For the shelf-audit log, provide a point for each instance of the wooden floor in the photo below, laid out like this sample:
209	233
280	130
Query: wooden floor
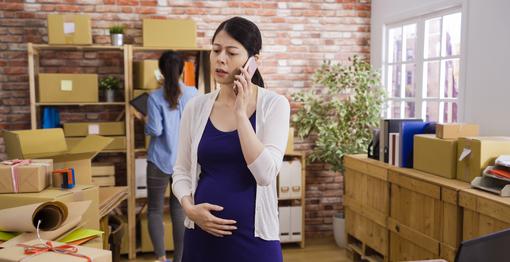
316	250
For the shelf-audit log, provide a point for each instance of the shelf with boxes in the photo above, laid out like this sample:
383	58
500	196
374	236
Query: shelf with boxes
61	87
71	92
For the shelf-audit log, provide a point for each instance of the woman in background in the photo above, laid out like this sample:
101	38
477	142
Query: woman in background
164	110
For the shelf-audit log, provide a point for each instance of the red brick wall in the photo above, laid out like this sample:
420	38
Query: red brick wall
297	37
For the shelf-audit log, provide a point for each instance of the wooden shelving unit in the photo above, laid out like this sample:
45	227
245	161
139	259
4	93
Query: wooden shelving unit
35	108
302	159
205	85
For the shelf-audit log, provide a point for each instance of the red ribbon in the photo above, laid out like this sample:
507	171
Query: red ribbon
38	249
14	163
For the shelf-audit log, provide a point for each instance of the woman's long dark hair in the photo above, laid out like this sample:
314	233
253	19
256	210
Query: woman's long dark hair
171	65
247	33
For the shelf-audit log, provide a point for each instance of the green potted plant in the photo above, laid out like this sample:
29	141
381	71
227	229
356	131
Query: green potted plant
339	116
117	35
109	85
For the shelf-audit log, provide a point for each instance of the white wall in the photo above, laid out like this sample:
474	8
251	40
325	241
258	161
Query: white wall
487	54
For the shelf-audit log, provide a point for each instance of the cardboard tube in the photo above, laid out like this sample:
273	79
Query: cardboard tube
25	218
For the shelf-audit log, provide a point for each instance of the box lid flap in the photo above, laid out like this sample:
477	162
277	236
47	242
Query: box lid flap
35	143
87	148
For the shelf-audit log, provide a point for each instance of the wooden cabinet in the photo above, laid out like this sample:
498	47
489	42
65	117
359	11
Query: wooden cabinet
403	214
484	213
366	199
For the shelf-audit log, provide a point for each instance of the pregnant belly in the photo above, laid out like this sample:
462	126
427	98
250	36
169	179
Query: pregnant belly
236	198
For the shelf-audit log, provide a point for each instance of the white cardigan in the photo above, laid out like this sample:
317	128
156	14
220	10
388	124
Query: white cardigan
272	129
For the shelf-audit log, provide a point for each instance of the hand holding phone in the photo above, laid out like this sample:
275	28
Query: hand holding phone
250	66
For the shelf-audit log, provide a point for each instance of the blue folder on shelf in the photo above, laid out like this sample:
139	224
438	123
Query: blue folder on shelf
407	131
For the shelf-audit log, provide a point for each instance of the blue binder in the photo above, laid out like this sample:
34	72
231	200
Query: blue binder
407	131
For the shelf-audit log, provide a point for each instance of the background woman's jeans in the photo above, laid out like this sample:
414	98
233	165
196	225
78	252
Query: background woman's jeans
157	182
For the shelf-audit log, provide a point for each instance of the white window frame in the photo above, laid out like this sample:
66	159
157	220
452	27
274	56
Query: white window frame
418	17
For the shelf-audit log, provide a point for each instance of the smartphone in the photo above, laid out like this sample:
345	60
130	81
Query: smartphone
251	67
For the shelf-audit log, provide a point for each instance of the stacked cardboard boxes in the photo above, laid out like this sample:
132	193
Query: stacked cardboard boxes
33	144
103	174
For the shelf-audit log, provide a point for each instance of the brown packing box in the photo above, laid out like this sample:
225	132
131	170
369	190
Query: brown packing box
483	152
118	143
169	33
103	169
31	177
454	131
50	143
435	156
103	180
145	237
144	75
68	88
17	253
94	128
69	29
78	193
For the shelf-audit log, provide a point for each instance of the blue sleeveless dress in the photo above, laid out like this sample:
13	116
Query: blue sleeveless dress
226	181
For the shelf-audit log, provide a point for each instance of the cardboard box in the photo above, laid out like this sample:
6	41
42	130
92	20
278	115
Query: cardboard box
103	169
78	193
31	177
68	88
476	153
435	156
145	237
17	253
69	29
103	180
96	128
29	144
290	141
118	142
454	131
169	33
145	75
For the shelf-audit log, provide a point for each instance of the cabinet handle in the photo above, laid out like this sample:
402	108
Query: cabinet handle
397	228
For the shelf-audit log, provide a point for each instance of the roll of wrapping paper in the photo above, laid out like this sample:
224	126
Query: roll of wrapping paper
25	218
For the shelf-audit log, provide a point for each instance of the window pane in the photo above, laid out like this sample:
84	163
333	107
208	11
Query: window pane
450	112
410	41
395	45
395	109
431	79
432	37
410	87
394	79
410	110
431	110
451	78
451	35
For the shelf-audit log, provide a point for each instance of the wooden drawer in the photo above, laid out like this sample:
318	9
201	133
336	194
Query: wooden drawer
484	213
